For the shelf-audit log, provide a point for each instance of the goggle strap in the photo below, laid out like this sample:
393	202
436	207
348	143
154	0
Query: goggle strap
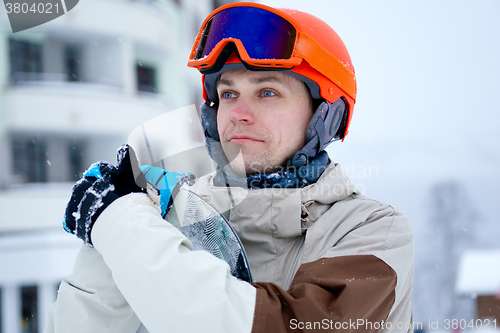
335	69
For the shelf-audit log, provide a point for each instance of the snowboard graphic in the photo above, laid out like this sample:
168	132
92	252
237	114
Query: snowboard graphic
208	230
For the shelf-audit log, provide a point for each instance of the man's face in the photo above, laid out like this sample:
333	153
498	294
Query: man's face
265	116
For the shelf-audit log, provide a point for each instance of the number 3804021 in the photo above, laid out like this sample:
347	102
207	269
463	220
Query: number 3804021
24	8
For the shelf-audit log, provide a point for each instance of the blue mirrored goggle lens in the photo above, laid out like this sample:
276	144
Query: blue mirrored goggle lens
264	35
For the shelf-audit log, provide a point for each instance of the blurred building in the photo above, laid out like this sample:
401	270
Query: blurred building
479	278
71	91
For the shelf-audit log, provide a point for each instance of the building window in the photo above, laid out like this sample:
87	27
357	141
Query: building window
29	319
72	63
146	78
75	162
25	60
30	159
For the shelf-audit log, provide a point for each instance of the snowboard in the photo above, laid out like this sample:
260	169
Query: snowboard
208	230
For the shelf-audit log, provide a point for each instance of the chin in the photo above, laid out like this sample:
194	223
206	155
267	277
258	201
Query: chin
246	164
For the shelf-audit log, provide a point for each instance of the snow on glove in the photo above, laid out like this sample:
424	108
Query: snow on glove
163	185
101	184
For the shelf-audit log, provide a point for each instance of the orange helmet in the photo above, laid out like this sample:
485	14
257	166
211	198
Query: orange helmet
260	37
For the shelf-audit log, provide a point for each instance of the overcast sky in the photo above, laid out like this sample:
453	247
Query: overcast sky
428	105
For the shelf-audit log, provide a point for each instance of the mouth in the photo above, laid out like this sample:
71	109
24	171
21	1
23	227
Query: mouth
242	139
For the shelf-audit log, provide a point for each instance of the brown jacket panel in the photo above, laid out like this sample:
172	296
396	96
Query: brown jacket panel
350	292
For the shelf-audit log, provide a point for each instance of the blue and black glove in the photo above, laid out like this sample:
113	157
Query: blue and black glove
101	184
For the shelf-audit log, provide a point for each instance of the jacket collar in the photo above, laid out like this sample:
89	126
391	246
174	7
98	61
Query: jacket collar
282	209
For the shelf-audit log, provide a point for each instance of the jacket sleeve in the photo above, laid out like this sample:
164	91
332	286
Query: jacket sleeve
169	286
89	301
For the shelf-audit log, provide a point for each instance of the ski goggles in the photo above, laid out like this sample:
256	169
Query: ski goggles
263	37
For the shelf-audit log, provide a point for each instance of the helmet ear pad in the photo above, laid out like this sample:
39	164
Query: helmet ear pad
212	139
327	124
208	115
331	117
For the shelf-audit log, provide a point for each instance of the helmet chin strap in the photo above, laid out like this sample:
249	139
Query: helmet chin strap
322	130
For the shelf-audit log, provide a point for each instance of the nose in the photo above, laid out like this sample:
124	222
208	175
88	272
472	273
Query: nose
241	113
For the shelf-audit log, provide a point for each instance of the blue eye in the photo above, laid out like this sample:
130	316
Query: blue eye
227	94
268	93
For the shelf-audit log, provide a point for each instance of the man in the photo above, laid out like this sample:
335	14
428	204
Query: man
279	86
